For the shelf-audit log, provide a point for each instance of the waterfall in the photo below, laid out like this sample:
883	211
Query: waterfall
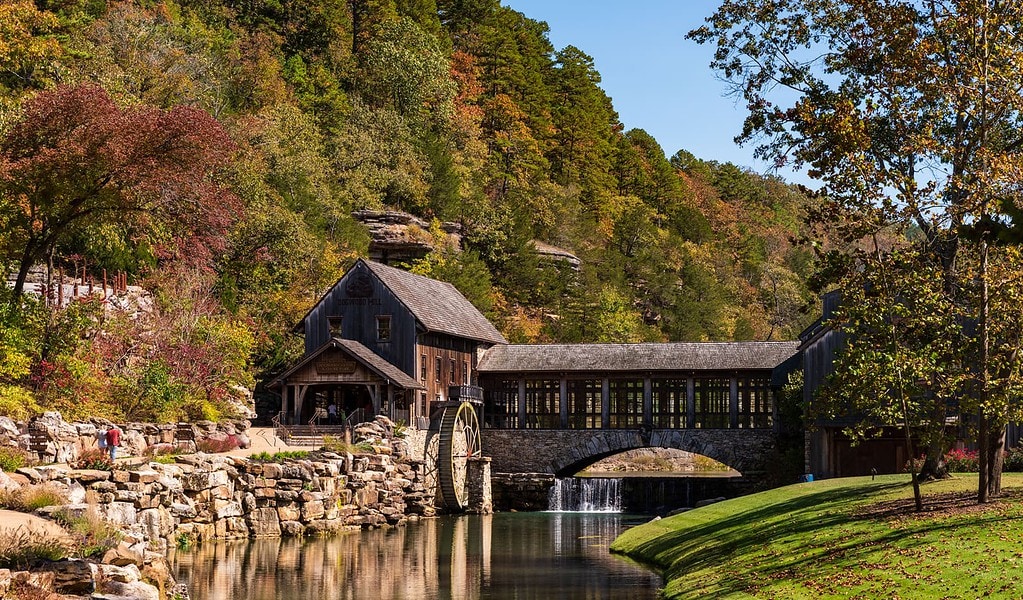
585	494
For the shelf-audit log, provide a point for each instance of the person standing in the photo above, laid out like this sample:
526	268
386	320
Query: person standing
332	413
113	440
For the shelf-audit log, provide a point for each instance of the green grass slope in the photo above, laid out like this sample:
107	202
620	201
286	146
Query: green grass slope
841	538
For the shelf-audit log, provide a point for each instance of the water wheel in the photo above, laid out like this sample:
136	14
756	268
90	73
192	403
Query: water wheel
459	441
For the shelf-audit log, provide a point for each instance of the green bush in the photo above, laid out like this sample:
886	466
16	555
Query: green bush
279	456
1014	460
95	535
29	498
20	548
12	459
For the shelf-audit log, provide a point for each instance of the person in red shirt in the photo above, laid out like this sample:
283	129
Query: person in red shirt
113	440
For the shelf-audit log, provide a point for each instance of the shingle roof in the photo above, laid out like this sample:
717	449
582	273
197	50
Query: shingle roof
438	305
370	359
680	356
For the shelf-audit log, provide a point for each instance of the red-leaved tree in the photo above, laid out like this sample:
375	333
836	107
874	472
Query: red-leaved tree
75	159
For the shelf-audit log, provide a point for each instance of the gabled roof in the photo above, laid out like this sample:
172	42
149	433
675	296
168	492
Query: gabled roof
364	355
437	305
679	356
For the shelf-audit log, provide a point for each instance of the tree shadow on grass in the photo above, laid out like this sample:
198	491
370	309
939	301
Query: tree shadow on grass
713	543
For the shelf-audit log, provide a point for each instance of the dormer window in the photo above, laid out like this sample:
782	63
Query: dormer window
334	323
384	328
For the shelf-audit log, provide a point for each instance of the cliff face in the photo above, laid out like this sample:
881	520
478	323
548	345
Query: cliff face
397	236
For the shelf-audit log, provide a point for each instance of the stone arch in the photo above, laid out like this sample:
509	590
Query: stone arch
566	451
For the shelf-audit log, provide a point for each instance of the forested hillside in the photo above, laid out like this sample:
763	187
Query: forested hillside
216	150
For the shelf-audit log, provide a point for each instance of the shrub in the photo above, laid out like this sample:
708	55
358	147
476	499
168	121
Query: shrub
94	458
95	535
20	548
340	446
212	445
31	497
1014	460
12	459
962	461
279	456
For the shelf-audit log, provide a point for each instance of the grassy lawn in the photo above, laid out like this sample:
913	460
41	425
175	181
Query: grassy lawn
842	538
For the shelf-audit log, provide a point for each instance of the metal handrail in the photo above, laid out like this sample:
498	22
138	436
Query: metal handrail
280	429
357	416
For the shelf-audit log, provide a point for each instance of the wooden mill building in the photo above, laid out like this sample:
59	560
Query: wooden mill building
384	341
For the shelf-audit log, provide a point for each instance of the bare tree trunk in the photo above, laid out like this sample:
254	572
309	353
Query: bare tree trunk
984	482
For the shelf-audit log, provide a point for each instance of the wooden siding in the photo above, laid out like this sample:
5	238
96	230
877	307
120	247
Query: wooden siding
438	388
359	298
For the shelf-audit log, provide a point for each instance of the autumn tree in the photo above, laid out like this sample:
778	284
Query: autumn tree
909	112
74	159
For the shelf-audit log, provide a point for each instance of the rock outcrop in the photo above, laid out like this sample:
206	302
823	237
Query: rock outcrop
399	236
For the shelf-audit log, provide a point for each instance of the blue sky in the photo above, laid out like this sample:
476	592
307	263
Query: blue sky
658	80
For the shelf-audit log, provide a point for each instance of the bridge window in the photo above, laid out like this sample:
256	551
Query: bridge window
756	409
542	409
584	407
712	403
669	403
626	398
501	408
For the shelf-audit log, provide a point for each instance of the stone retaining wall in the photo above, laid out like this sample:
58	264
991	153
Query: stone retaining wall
521	491
51	439
202	497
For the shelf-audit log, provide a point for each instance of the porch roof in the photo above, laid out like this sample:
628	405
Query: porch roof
371	360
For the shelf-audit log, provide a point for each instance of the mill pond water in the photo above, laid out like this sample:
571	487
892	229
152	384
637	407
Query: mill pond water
561	553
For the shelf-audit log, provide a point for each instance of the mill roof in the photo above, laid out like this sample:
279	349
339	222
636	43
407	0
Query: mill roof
437	305
677	356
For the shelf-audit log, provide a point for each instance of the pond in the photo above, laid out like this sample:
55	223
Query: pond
506	555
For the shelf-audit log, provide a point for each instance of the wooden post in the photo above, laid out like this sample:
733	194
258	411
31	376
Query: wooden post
690	402
648	402
522	403
605	403
104	284
733	403
563	402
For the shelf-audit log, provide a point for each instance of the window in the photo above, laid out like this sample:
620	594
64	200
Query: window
334	322
669	403
422	368
452	372
542	408
465	372
437	368
584	404
384	328
712	398
626	403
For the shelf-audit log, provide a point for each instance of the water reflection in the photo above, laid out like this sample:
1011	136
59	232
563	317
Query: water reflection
508	555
